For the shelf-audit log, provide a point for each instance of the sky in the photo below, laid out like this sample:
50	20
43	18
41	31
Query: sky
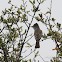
46	47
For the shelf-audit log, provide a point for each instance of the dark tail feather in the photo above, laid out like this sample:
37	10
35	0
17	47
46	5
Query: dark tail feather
37	44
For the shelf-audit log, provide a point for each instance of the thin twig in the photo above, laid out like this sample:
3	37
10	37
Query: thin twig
29	38
42	58
2	29
27	55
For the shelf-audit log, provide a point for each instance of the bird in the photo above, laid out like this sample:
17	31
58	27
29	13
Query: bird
37	34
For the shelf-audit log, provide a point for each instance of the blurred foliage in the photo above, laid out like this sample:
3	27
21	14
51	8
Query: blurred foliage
13	35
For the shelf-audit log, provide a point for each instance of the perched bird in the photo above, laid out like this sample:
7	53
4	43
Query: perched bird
37	34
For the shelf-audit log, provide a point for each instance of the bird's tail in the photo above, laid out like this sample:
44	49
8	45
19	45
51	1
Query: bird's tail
37	44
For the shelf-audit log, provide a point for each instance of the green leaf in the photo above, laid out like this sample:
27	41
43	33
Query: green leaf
34	2
0	39
50	26
53	37
9	1
61	36
36	53
21	7
30	60
42	21
24	61
44	36
53	19
28	43
37	18
46	20
40	15
48	12
1	18
30	1
18	11
59	25
49	34
24	16
42	1
27	46
11	7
